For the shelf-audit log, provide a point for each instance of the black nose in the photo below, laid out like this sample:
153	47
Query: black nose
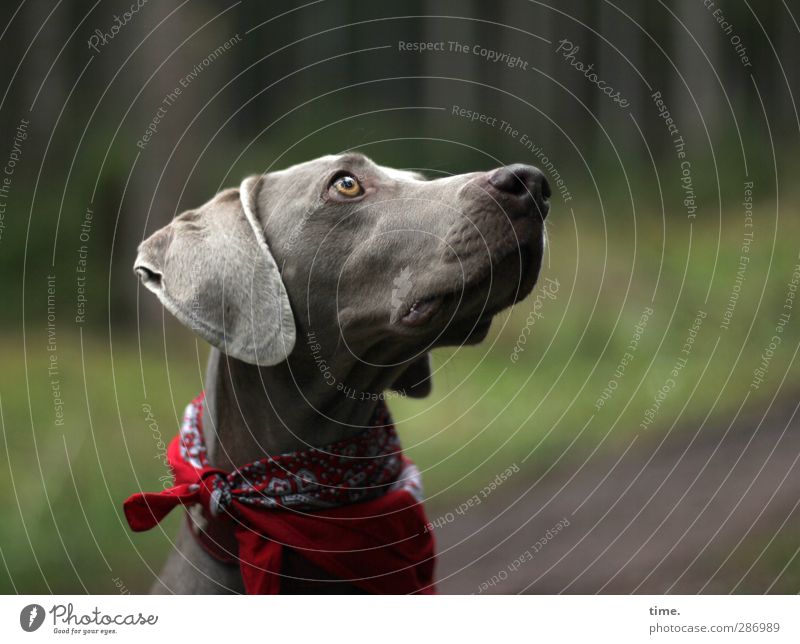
524	182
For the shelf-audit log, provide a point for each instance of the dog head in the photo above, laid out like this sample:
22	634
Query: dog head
381	263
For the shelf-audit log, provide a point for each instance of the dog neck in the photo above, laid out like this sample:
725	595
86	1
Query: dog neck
256	411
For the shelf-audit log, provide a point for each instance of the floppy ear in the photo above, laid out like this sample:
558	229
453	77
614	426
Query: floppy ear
212	269
415	381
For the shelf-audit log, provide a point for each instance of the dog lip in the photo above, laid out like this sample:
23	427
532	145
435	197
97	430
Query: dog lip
421	311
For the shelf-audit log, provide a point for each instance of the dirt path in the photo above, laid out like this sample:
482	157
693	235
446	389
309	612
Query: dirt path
648	518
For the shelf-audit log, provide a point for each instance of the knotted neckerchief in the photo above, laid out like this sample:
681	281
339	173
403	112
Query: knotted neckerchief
352	508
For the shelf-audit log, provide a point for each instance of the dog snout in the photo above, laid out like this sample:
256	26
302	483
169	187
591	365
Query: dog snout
524	184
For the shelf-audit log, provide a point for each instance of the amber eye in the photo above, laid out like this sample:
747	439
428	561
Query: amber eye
348	186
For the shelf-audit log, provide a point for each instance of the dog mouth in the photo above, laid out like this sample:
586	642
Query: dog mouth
422	310
515	269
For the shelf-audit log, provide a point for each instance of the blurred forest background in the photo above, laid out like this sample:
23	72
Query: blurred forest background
98	150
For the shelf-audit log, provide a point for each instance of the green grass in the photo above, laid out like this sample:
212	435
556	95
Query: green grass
67	482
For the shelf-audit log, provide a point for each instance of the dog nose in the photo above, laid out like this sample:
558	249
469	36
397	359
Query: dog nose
524	182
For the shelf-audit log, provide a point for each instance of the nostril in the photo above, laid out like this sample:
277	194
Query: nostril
506	180
545	186
521	180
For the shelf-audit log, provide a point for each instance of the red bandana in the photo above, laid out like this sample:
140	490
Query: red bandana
352	508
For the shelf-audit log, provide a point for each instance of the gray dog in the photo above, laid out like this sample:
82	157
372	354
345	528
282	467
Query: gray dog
325	284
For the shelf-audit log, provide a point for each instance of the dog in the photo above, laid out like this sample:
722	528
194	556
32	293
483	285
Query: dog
322	286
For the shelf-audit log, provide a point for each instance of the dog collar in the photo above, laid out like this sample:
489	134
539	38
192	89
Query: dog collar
352	508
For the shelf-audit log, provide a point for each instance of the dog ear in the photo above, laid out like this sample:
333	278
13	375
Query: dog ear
212	269
415	380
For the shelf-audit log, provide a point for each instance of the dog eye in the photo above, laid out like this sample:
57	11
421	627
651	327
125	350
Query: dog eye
348	186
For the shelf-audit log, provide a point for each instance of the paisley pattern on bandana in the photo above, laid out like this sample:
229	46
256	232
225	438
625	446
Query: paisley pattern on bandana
352	508
348	471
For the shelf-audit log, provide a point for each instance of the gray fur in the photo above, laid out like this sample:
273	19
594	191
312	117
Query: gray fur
212	270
